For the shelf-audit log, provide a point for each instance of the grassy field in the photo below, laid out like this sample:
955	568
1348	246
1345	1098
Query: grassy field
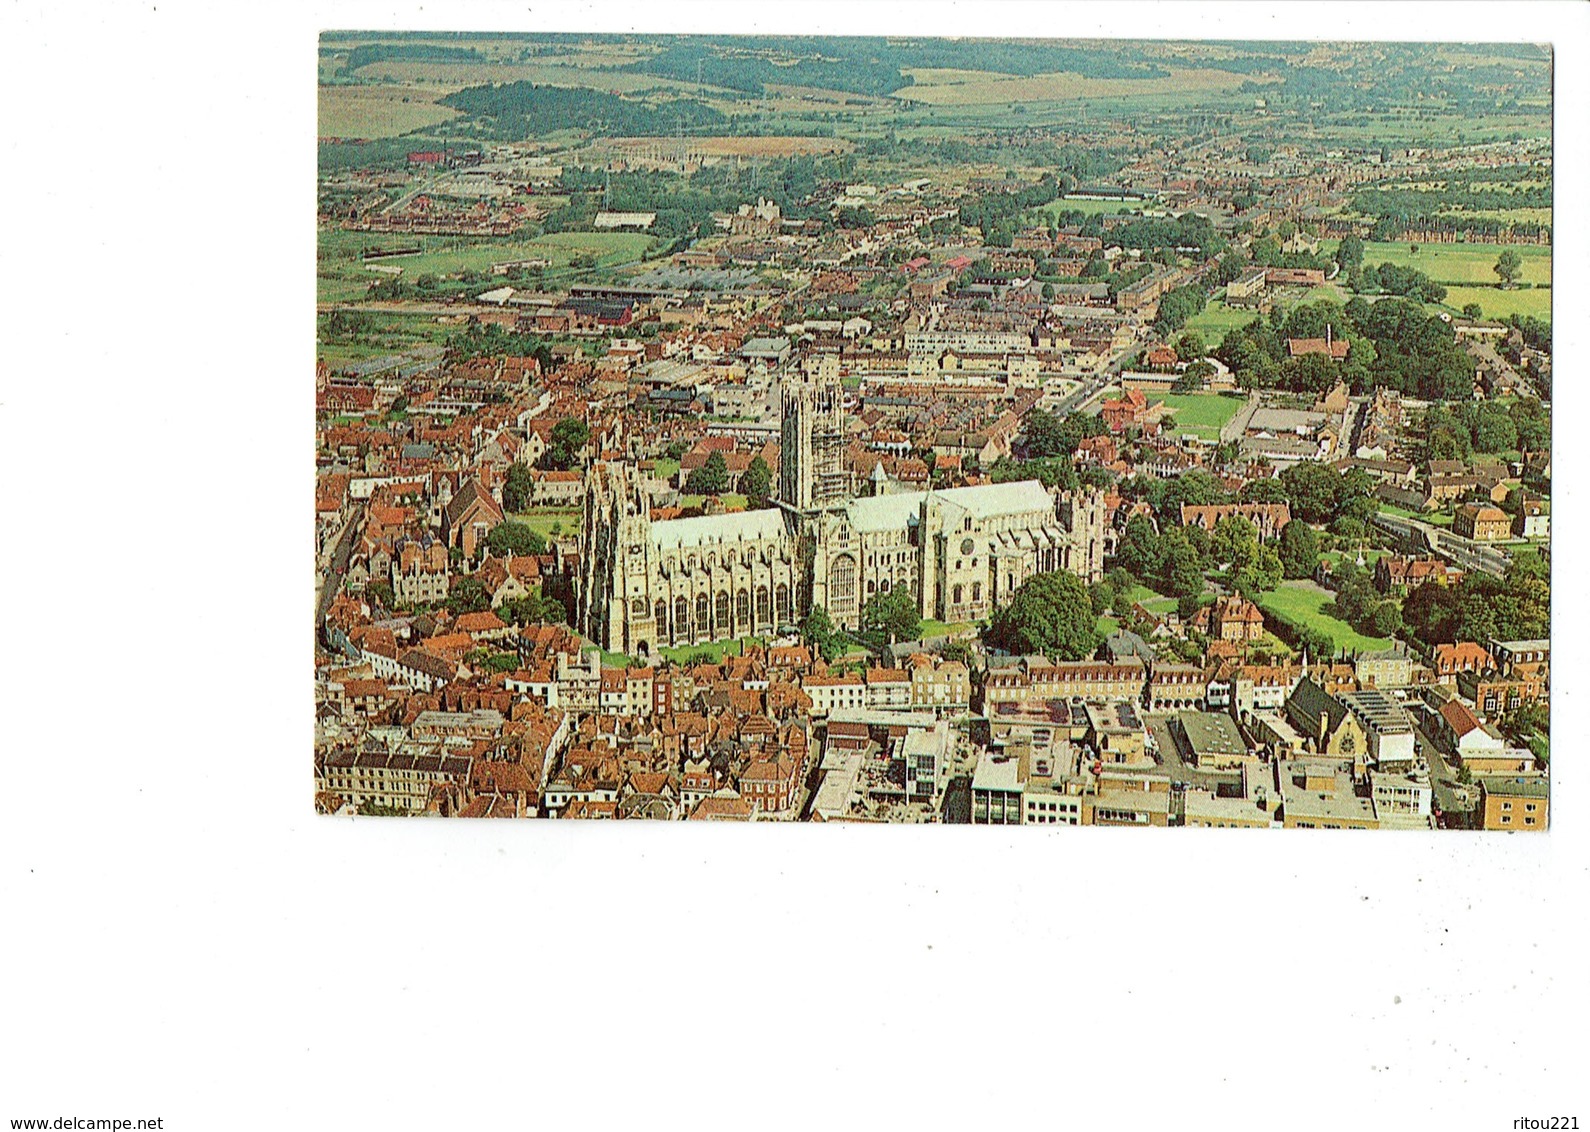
1461	263
1303	605
1216	319
543	519
1202	414
1092	207
392	334
343	277
377	111
1496	303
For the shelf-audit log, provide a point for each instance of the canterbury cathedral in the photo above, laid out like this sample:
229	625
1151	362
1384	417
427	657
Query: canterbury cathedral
959	551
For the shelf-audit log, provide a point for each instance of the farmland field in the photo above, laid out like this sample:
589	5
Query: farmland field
1461	263
1202	414
1302	602
377	111
975	88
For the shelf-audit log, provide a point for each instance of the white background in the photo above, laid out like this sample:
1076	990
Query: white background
182	937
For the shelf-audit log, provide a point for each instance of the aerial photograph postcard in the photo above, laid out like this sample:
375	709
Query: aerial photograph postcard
933	430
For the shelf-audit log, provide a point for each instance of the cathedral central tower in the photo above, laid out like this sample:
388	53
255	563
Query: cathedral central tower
811	463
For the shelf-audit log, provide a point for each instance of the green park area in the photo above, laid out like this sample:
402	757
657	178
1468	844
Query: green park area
1202	414
1303	603
343	275
1217	319
1468	272
1456	264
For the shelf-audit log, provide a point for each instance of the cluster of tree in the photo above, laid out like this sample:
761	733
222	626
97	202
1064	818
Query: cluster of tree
1049	613
849	217
348	326
1359	604
1051	471
1392	344
999	214
519	110
1251	567
1177	305
533	609
1393	279
1482	607
890	616
1298	550
565	443
1190	230
1318	493
1267	251
489	340
1458	430
513	537
712	478
1417	207
1171	562
819	631
1045	435
517	486
468	595
1166	496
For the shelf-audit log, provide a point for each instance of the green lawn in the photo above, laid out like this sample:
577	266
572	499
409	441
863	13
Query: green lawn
1461	263
667	469
931	628
1497	303
542	519
1202	414
1094	207
1304	606
1216	319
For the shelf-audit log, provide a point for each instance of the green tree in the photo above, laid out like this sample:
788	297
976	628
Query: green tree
1350	252
712	478
1102	595
568	439
1299	550
515	537
892	616
517	487
817	630
468	595
1235	540
1509	265
756	484
1051	614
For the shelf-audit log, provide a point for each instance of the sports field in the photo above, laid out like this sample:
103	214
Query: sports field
1202	414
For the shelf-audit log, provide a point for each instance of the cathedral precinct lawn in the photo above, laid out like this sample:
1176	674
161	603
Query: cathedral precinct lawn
542	519
931	628
1303	602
